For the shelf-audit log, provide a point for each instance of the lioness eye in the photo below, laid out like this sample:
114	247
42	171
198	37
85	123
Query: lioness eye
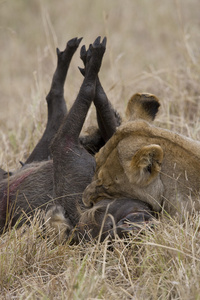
149	168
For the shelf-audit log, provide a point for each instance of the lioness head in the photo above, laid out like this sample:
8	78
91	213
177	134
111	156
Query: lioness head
127	167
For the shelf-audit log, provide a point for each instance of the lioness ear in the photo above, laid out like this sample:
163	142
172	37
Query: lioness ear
145	165
142	106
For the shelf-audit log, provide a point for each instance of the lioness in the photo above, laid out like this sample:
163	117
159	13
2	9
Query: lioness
157	166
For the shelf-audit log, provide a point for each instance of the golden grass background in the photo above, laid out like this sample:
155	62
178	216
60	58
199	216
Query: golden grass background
153	46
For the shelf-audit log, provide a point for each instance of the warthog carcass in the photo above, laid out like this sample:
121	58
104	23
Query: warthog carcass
2	174
154	165
62	180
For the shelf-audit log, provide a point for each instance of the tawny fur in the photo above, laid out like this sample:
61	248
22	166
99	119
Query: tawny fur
56	221
169	173
142	106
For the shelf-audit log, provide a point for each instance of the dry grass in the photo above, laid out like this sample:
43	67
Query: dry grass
153	46
160	264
